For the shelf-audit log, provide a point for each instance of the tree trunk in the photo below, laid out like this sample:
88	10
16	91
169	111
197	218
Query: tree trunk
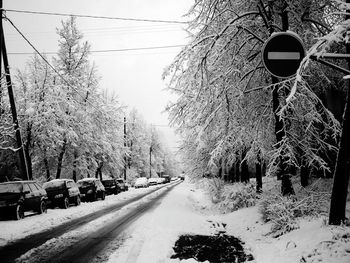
237	171
244	169
283	174
220	172
258	177
98	172
231	174
60	159
27	151
47	168
286	185
75	165
244	172
304	175
342	166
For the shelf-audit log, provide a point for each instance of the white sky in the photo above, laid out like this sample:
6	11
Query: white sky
135	76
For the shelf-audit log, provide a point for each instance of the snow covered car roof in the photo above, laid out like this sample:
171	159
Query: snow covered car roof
13	186
88	179
153	179
141	179
55	183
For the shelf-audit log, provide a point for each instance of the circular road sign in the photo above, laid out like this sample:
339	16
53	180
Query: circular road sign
282	54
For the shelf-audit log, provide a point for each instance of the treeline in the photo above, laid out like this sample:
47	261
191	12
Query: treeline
70	127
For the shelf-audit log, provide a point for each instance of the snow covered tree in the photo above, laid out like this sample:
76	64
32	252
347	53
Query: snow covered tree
40	112
73	65
339	35
92	121
225	103
147	153
68	121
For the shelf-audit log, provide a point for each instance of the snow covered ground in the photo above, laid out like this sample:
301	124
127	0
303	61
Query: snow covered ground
187	210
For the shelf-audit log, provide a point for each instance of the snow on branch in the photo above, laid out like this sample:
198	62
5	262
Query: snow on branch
340	34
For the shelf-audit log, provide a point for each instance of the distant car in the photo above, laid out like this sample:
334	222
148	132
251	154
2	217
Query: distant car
153	181
111	186
166	178
91	189
141	182
62	192
19	196
122	185
161	180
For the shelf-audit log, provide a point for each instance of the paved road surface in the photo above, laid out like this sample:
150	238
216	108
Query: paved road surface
85	249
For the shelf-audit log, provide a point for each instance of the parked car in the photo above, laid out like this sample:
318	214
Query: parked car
111	186
166	178
19	196
62	192
91	189
161	180
141	182
153	181
122	185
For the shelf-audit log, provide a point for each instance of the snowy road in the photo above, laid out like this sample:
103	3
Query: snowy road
85	237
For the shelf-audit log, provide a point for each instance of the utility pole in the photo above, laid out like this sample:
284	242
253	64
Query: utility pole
150	162
0	59
20	147
125	148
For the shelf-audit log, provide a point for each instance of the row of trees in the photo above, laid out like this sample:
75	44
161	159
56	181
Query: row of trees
70	127
148	154
233	115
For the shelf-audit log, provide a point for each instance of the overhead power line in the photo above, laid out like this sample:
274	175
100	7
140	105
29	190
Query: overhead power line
97	17
105	50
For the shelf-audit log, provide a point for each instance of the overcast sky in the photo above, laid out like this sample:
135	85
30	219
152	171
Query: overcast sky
135	76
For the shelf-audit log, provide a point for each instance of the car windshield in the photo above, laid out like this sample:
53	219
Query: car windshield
108	182
120	181
54	185
85	183
11	188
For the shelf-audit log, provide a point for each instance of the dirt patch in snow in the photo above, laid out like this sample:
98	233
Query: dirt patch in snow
215	249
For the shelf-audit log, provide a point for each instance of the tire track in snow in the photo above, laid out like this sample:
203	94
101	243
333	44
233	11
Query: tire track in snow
95	244
15	249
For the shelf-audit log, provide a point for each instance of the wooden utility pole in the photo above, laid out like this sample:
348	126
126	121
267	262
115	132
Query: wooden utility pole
125	159
150	162
0	59
20	147
341	173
